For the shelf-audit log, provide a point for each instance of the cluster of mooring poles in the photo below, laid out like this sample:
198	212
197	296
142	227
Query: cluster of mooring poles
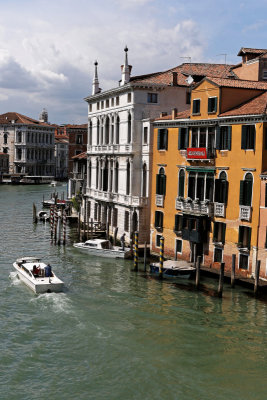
58	225
197	266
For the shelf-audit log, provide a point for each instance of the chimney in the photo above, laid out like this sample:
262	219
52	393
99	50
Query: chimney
163	114
174	113
174	79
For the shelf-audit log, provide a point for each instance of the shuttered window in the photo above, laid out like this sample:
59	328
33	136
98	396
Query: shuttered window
244	236
248	137
178	222
181	182
219	232
196	106
161	182
162	143
212	104
223	137
221	191
158	219
183	138
245	195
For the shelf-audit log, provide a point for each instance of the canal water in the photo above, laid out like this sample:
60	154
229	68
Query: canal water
115	334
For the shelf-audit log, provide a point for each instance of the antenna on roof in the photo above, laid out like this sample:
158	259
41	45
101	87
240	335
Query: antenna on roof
189	79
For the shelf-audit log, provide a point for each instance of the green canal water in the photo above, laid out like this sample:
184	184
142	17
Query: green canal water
115	334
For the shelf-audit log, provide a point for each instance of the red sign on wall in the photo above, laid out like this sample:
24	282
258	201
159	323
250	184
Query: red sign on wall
196	152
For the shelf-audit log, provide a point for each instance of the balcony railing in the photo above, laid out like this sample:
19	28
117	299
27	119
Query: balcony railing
159	200
200	153
194	206
245	213
219	209
110	148
117	197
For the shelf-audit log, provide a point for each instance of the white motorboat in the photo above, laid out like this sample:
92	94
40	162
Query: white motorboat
55	183
37	275
103	248
43	215
173	269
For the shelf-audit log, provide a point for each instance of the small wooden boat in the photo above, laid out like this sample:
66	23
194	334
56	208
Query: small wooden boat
173	269
103	248
37	275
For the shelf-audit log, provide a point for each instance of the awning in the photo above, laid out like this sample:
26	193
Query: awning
201	169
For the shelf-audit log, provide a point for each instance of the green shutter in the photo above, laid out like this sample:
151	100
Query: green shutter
217	190
179	138
218	137
241	194
240	235
253	137
229	139
244	137
176	223
166	139
156	218
215	104
249	237
163	184
209	105
248	192
186	137
215	231
158	139
223	232
181	184
157	184
224	186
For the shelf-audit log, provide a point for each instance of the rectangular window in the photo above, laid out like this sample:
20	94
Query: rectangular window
158	219
243	261
217	254
219	232
178	245
244	237
79	139
115	218
152	97
158	237
129	97
112	102
196	106
107	103
223	137
97	105
162	139
248	137
90	107
183	139
212	104
95	212
126	221
145	134
194	137
221	191
117	101
178	223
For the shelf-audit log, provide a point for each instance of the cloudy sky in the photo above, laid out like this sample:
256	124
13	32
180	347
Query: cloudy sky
47	48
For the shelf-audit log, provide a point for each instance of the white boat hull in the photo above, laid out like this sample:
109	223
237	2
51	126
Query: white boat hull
109	253
41	284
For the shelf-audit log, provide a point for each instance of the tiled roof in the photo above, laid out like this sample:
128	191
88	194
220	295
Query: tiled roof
80	156
256	106
183	71
250	50
238	83
76	126
59	139
181	115
8	117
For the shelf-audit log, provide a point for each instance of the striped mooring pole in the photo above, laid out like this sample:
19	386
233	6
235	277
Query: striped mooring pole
55	224
135	251
51	221
161	254
64	226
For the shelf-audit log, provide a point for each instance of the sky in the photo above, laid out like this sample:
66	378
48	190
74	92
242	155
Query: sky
48	48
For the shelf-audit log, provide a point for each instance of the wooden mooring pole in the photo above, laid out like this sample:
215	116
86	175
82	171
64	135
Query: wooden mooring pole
221	280
198	271
34	213
64	227
145	249
135	251
161	255
233	270
257	276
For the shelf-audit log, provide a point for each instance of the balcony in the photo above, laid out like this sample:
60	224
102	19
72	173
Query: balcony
245	213
159	200
118	198
110	149
195	207
219	210
200	153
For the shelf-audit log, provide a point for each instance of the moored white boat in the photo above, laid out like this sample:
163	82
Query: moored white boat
173	269
43	215
103	248
37	275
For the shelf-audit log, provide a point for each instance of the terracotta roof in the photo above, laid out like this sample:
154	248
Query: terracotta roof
256	106
60	139
80	156
181	115
183	71
250	50
76	126
238	83
8	117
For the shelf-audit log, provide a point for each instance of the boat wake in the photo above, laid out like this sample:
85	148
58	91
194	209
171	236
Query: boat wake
13	276
57	302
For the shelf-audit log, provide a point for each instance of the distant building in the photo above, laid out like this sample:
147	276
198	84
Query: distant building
29	143
61	157
4	164
77	138
253	66
78	177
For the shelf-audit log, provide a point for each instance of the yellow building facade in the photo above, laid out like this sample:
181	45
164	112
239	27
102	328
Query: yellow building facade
206	181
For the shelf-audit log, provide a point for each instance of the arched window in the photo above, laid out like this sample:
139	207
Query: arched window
144	194
129	137
105	177
161	182
118	130
128	176
5	138
98	132
101	132
116	183
210	186
97	174
107	131
89	173
19	136
246	187
112	131
181	183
